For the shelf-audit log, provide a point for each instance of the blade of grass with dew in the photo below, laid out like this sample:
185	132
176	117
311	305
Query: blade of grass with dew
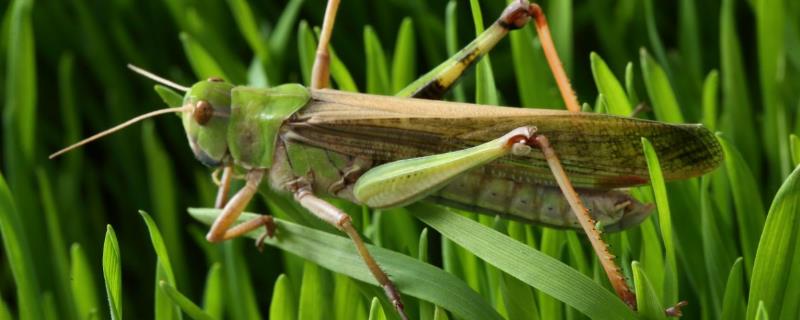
182	302
608	85
164	308
404	60
18	255
747	201
485	90
337	253
314	293
377	68
82	284
284	303
738	118
376	310
58	251
733	303
527	264
776	249
647	299
659	89
161	177
213	299
670	293
112	273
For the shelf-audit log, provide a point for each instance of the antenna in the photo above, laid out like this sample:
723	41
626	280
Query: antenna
157	78
121	126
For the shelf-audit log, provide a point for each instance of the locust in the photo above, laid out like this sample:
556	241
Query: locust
555	168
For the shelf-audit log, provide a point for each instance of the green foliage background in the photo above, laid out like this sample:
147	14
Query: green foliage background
727	243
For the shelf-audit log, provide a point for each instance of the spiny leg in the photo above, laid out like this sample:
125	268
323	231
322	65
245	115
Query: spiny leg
587	223
340	220
221	230
321	70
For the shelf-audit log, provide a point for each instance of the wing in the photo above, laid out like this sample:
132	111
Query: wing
597	151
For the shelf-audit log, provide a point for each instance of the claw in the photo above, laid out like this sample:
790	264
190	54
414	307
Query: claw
269	232
675	311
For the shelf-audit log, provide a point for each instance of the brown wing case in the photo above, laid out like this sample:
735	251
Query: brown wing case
597	151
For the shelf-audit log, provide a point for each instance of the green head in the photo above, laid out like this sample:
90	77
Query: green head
208	106
204	112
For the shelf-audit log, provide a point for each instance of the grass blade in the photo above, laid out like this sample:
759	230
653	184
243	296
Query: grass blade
485	90
773	268
203	64
376	310
404	61
313	295
182	302
213	294
377	69
112	272
164	272
530	266
338	254
609	87
83	285
733	303
659	89
747	201
16	249
670	293
646	298
284	302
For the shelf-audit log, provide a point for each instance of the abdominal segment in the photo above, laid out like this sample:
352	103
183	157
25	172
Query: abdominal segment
538	204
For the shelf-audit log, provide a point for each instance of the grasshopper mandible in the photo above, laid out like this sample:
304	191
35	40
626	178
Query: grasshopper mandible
390	151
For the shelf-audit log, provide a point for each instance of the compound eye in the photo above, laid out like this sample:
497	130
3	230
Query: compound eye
203	112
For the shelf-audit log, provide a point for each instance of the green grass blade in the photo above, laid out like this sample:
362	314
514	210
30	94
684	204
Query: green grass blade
240	292
314	302
710	94
203	64
281	35
761	312
794	144
659	89
83	284
630	85
404	61
451	41
718	255
213	294
652	34
18	255
773	268
608	85
163	196
747	201
112	273
560	16
164	271
530	266
377	69
20	99
647	300
243	15
733	303
770	25
738	116
181	301
338	254
5	314
169	96
376	310
284	302
58	251
665	222
485	90
306	49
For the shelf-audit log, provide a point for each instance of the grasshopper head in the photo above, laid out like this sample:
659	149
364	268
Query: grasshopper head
206	122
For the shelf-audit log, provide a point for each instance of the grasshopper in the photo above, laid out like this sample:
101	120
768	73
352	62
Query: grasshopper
549	167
